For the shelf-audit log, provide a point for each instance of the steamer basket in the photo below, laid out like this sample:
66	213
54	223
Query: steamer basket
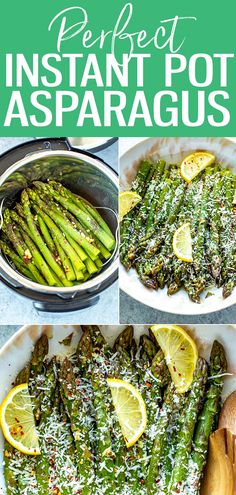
84	174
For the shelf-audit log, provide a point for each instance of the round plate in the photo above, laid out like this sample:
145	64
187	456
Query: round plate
172	150
15	354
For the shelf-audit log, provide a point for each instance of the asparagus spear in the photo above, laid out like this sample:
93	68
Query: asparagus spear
152	179
206	419
12	458
15	259
214	219
82	204
156	210
77	248
152	372
188	421
36	380
123	345
87	233
75	411
61	241
65	225
138	186
150	259
98	340
46	409
136	457
124	339
66	263
102	401
173	207
47	236
84	357
148	347
19	245
35	384
228	235
199	274
143	265
88	221
192	201
198	247
25	466
155	197
38	239
153	475
39	260
51	278
84	350
65	459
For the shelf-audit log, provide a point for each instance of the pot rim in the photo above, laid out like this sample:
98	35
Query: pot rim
95	281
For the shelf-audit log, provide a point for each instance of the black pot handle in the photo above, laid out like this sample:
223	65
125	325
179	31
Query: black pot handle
68	305
19	152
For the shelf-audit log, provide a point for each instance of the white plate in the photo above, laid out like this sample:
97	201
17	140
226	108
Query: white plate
173	150
16	353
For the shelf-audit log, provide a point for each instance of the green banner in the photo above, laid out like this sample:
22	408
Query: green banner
139	68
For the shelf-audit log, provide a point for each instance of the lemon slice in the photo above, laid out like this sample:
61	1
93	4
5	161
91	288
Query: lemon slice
182	243
17	421
180	353
127	201
130	409
195	163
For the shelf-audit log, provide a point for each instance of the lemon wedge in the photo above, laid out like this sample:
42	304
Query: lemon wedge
130	409
193	164
182	243
127	201
180	353
17	421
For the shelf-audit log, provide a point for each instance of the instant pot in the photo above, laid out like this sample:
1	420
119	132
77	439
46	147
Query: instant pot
84	174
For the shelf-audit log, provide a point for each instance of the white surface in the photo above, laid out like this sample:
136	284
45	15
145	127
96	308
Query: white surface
16	353
173	150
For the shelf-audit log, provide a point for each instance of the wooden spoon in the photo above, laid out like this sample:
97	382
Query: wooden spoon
228	414
228	420
219	475
229	438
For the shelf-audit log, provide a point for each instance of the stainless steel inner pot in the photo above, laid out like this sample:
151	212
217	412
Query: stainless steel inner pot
84	174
